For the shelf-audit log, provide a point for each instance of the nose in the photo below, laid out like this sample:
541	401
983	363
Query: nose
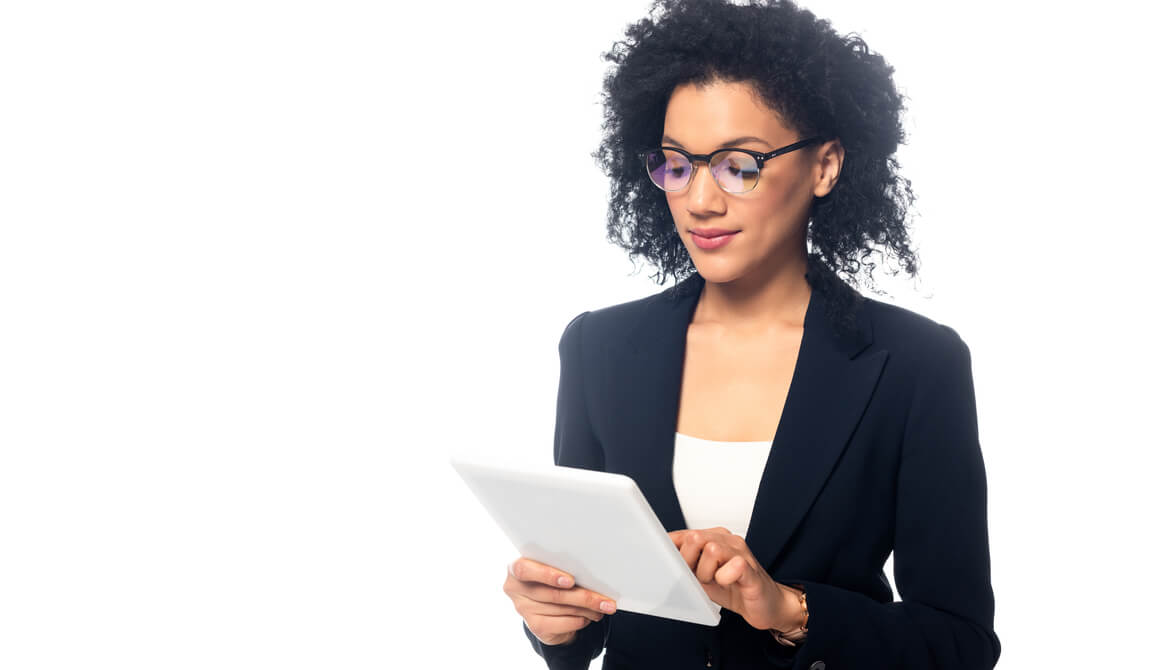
704	194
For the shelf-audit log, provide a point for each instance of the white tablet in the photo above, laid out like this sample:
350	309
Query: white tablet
596	526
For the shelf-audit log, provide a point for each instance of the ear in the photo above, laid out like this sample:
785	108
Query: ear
829	160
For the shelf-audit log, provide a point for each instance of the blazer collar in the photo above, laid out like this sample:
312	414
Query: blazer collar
830	388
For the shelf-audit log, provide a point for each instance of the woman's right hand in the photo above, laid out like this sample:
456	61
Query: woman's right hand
553	611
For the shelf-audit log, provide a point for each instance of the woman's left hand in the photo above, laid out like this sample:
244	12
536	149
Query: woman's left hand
732	577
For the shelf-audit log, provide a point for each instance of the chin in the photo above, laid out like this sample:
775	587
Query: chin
718	273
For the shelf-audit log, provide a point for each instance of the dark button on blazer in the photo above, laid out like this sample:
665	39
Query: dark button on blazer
876	451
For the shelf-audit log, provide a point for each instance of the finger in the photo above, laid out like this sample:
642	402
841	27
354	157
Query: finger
576	596
691	548
679	537
710	559
528	606
528	570
734	570
687	550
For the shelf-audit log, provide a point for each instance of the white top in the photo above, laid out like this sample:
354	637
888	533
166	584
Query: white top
717	481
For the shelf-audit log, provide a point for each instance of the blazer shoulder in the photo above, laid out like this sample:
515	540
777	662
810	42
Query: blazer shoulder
609	323
910	335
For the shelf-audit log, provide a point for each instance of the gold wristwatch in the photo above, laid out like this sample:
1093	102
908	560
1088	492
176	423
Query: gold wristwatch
791	639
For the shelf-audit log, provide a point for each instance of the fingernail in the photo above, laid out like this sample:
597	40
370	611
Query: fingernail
608	606
564	581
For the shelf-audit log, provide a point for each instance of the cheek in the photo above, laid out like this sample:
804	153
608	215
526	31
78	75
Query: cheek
783	191
678	209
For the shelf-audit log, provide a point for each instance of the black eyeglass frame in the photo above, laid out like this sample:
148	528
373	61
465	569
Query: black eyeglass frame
760	157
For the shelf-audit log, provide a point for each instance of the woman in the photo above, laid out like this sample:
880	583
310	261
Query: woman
788	432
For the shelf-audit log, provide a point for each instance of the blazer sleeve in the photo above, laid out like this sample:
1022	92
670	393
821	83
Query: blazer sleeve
941	554
574	445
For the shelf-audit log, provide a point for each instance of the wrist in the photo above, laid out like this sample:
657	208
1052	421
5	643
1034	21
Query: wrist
792	621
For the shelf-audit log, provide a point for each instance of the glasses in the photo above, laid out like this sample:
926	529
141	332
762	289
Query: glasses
735	170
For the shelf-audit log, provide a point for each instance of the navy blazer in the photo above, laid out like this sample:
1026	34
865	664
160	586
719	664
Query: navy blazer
876	450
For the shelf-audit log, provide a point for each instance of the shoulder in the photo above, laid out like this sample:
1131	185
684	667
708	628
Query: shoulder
610	323
911	338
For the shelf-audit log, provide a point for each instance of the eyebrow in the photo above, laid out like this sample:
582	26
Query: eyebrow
667	139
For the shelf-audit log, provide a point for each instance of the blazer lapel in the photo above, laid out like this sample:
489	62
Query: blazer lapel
830	389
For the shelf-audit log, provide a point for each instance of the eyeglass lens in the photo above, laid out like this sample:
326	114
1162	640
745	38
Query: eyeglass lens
734	171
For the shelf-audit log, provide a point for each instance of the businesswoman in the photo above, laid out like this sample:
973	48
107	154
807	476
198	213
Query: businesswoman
788	432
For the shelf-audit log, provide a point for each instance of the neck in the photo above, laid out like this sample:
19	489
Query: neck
758	303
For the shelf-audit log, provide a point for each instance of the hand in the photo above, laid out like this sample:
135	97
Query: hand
554	612
733	578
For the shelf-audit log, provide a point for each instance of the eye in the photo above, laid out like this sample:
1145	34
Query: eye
677	166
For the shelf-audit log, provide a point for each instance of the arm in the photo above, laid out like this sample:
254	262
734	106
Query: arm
574	445
941	554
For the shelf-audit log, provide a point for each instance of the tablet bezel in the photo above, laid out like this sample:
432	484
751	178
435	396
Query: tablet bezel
572	518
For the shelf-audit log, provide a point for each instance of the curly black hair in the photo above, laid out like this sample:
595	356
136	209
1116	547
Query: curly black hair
821	83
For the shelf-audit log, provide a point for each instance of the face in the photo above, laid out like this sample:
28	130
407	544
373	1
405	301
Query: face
770	221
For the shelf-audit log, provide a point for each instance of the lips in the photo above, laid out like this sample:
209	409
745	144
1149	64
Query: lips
714	242
712	232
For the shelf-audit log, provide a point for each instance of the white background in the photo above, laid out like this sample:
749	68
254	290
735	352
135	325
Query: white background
249	305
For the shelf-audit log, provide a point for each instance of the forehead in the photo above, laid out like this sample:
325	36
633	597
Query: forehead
705	116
